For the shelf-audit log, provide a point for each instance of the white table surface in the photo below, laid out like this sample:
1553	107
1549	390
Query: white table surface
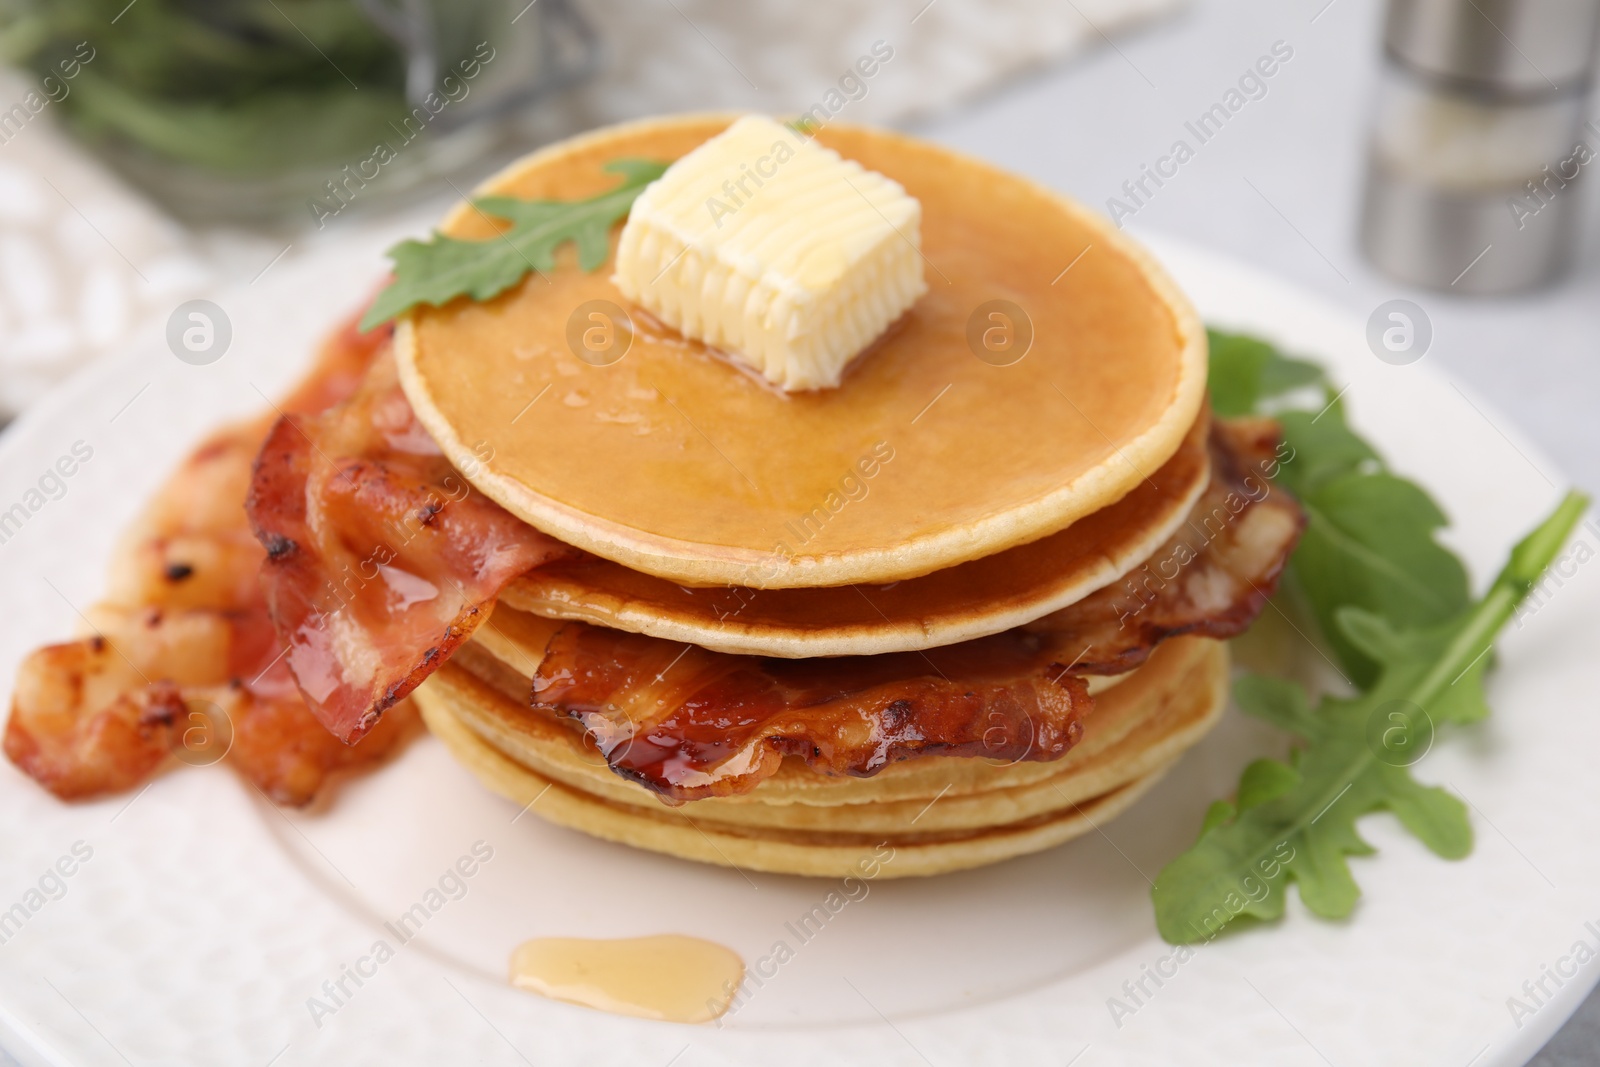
1280	187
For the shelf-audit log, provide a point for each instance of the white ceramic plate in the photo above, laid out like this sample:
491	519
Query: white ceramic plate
205	919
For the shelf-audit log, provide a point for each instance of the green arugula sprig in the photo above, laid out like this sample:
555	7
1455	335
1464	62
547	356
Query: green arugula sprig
1416	650
442	268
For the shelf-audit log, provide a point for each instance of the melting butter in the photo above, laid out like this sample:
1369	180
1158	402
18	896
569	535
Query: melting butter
667	976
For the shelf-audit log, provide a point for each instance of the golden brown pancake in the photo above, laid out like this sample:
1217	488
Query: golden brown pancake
672	462
958	603
939	814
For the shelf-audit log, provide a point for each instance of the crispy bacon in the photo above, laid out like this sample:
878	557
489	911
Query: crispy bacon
689	723
381	558
184	658
1211	578
83	722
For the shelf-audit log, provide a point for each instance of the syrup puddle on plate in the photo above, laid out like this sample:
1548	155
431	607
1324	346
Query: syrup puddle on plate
667	976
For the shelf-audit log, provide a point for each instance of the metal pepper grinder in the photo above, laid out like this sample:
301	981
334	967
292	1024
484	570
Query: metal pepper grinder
1481	144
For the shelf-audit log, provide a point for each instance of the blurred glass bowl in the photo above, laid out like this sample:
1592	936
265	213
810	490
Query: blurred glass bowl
289	111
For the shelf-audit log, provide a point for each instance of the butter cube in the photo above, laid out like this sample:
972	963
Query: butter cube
769	247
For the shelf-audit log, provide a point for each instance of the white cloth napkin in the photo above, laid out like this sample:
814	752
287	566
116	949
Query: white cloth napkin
83	257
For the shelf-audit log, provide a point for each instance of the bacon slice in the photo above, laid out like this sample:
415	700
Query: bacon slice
184	658
381	559
83	722
1211	578
689	723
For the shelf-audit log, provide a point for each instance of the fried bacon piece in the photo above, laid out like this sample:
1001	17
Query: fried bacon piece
1211	578
184	658
689	723
381	558
84	722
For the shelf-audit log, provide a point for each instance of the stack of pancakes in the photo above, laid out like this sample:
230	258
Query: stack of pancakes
939	813
971	475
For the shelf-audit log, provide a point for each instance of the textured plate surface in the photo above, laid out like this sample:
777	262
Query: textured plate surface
205	920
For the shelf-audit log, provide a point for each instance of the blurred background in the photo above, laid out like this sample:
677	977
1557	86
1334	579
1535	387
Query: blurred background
1421	163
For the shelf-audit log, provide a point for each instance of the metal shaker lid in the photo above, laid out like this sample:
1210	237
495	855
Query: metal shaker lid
1497	46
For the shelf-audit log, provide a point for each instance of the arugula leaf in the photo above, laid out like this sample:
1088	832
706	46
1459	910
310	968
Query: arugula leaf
1297	822
1369	543
442	268
1245	371
1324	447
1370	534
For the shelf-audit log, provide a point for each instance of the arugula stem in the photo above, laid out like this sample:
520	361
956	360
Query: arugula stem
1511	586
1528	560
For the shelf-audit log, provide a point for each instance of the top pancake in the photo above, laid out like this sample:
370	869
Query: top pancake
675	463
